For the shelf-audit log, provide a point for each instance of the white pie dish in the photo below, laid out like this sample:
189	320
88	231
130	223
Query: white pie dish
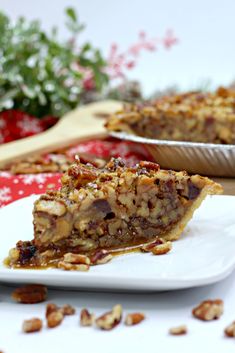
203	255
195	157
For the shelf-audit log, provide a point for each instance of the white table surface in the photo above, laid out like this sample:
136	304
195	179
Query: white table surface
162	309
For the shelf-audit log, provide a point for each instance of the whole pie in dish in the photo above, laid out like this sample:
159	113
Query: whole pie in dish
193	116
112	208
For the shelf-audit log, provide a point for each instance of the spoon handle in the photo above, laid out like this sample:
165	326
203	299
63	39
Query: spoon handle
80	124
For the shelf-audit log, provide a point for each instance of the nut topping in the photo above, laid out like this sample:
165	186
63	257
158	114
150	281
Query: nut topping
110	319
134	319
179	330
30	294
32	325
86	318
230	330
101	257
72	267
54	319
209	310
76	259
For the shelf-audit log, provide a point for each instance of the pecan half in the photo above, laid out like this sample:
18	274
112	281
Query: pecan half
32	325
230	330
72	267
54	319
134	319
30	294
149	165
86	318
209	310
178	330
101	257
110	319
76	258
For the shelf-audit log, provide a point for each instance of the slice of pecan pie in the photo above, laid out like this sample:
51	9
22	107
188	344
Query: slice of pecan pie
111	208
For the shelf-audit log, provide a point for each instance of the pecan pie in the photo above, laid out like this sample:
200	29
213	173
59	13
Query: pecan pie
193	116
110	208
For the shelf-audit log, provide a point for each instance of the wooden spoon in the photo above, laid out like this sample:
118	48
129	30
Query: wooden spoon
80	124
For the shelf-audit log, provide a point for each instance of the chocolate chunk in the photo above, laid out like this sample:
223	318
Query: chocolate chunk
102	206
110	215
26	249
193	191
115	163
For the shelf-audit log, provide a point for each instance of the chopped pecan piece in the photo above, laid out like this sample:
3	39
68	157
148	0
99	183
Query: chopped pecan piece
32	325
54	319
67	310
110	319
158	247
30	294
73	267
51	207
178	330
148	247
209	310
162	248
76	259
134	319
101	257
51	308
86	318
230	330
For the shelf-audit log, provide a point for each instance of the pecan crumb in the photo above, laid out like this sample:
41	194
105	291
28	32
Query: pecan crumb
101	257
30	294
32	325
72	267
110	319
54	319
134	319
179	330
158	247
230	330
209	310
86	318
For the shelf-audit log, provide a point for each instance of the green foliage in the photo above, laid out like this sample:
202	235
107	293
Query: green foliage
38	73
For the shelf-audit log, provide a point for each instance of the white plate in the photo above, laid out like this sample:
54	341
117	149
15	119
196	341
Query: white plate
204	254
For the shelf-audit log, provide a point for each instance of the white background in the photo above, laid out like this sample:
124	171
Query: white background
205	28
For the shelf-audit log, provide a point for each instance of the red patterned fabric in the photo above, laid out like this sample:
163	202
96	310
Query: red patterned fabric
14	125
